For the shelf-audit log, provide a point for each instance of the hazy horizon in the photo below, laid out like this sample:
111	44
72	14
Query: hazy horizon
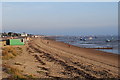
61	18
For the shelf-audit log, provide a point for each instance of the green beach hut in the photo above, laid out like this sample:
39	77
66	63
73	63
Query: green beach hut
15	42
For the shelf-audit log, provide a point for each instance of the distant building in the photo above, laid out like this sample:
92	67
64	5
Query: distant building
24	35
0	35
35	36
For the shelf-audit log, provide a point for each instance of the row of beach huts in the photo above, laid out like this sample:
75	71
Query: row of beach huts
16	40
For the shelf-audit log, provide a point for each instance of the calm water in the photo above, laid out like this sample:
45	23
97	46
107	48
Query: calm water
92	42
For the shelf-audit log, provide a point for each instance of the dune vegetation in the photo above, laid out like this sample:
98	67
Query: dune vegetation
10	52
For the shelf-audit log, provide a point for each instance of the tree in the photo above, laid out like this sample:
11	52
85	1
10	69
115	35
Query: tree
10	33
4	34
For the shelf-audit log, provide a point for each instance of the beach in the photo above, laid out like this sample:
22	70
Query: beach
59	40
46	58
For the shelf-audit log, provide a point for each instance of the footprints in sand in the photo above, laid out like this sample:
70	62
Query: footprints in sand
69	71
38	58
92	70
55	67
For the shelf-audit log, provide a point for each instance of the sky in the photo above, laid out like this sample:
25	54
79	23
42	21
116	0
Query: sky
61	18
59	0
0	17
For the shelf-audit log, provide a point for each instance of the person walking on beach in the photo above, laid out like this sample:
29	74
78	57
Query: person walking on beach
69	46
47	42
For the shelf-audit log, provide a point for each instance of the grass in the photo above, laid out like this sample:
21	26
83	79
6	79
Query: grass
29	76
16	74
40	72
10	52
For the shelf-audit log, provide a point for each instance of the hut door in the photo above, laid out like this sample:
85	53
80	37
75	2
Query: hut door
8	42
21	40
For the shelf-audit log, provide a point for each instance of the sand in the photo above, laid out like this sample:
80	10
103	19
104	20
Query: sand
52	59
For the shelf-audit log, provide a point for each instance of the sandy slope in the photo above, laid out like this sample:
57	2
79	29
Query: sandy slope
50	59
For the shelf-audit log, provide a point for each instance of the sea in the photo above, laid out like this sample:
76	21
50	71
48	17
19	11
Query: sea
107	41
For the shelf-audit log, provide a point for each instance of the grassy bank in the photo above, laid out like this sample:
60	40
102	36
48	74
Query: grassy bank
15	73
10	52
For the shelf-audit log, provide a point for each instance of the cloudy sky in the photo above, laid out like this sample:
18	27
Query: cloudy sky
61	18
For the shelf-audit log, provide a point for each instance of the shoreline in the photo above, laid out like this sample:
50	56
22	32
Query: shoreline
47	38
104	49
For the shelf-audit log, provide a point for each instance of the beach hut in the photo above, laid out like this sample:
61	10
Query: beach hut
15	42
